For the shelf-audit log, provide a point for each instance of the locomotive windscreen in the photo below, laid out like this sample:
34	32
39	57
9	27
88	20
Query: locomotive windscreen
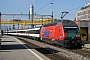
71	29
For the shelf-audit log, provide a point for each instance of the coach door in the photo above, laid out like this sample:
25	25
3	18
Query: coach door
84	33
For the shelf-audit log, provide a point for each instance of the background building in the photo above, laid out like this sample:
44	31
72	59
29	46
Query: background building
84	13
83	21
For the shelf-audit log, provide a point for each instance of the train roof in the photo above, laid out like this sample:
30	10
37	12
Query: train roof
64	22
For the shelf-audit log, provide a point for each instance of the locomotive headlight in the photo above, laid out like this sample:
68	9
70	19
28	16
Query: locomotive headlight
78	35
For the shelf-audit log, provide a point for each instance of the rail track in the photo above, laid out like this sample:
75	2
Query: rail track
55	52
82	52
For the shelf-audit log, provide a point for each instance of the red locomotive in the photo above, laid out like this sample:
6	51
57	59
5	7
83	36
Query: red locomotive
64	32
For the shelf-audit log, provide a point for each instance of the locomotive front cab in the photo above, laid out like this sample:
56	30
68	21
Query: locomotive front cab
72	36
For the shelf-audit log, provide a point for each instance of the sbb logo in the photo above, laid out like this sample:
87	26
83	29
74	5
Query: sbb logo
46	33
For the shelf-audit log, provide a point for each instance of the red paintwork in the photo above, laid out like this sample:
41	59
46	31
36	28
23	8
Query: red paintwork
76	22
53	32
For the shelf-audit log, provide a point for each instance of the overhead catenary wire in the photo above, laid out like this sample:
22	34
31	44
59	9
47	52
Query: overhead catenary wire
34	2
51	3
70	9
75	8
60	3
57	4
48	4
44	6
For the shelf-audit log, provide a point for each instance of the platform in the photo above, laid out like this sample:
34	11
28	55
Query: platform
14	49
86	44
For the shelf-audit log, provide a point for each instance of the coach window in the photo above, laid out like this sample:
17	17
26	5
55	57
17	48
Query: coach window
30	31
37	31
20	32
